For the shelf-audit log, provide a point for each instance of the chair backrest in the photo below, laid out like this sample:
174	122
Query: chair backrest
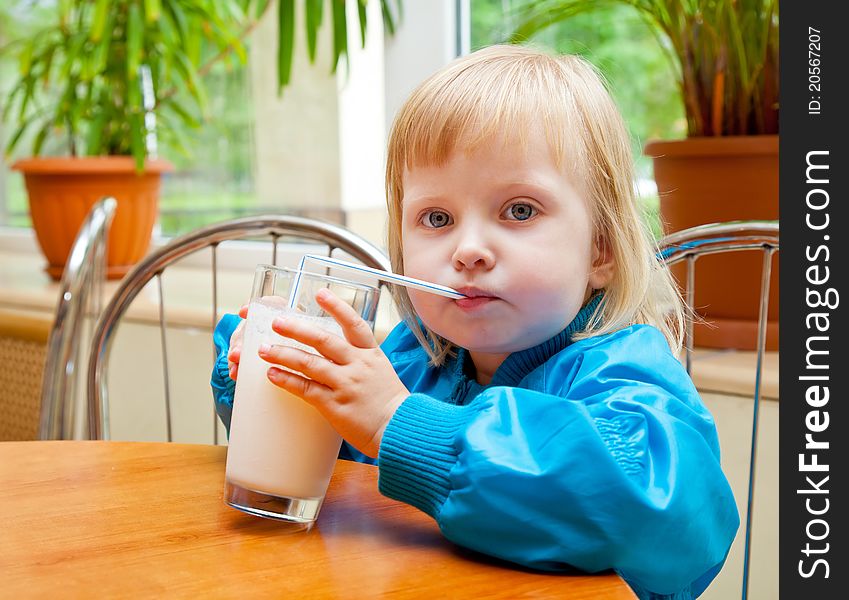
23	348
333	237
690	244
80	299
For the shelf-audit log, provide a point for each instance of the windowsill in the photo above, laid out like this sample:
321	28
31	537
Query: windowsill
733	372
26	289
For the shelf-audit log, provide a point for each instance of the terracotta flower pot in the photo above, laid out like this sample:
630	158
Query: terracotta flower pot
62	191
710	180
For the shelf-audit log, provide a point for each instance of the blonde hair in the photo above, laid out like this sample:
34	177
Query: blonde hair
504	90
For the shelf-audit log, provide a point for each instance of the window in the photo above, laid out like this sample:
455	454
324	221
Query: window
303	159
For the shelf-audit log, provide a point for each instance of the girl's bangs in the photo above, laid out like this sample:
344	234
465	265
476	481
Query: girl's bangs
446	115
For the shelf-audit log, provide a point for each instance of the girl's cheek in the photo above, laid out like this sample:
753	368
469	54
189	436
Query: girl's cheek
422	301
427	307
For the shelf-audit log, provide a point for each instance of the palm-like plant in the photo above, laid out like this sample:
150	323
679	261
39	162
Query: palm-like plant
103	71
725	53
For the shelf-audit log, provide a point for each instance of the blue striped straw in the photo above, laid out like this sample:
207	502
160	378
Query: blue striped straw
386	276
296	285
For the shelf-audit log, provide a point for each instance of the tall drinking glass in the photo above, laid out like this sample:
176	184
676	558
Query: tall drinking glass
281	450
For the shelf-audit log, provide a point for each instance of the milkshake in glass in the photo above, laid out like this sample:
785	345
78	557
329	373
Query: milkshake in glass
281	450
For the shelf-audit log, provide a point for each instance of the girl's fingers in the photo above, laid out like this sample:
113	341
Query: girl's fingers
313	366
356	331
327	344
310	390
235	354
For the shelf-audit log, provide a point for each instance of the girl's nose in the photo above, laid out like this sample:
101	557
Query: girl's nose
473	253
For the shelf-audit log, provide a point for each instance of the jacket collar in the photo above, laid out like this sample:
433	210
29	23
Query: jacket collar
516	366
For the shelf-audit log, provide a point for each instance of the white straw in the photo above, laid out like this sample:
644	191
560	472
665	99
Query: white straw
388	277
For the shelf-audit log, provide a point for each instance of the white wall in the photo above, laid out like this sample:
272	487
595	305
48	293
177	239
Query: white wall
296	135
361	113
425	41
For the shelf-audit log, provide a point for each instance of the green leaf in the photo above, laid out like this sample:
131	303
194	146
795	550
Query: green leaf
16	137
178	19
73	49
188	73
232	11
100	56
47	64
135	37
361	12
29	87
75	109
38	142
314	14
285	42
400	5
220	28
174	135
17	89
65	7
388	18
261	6
94	140
137	147
134	100
25	58
98	21
540	16
152	10
340	32
194	45
185	116
175	139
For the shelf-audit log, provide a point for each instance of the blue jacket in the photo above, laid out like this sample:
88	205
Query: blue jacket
596	454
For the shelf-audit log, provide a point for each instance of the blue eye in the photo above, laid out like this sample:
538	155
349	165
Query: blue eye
521	211
436	219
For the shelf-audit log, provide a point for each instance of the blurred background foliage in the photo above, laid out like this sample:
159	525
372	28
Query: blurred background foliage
214	181
618	41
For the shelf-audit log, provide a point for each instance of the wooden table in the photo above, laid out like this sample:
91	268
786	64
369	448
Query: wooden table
109	519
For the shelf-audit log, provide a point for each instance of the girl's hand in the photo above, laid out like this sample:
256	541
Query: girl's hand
234	355
351	383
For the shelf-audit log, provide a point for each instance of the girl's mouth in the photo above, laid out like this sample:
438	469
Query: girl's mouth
474	299
472	303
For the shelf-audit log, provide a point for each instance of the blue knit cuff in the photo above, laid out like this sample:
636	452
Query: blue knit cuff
418	452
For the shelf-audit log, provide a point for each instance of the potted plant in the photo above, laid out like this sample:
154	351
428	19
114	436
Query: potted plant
725	57
106	81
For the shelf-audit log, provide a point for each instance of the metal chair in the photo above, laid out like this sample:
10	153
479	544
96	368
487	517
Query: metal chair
152	267
80	300
691	244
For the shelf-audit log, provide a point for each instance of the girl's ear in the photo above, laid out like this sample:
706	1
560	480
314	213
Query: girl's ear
601	272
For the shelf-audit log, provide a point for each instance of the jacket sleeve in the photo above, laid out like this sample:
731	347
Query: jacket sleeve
615	467
223	388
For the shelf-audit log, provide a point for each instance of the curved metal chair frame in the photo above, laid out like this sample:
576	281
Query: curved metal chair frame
152	267
80	296
690	244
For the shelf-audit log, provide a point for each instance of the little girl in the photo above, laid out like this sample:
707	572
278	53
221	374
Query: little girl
544	419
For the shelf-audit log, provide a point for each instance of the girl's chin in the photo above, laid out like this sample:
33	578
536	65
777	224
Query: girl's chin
498	343
481	337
